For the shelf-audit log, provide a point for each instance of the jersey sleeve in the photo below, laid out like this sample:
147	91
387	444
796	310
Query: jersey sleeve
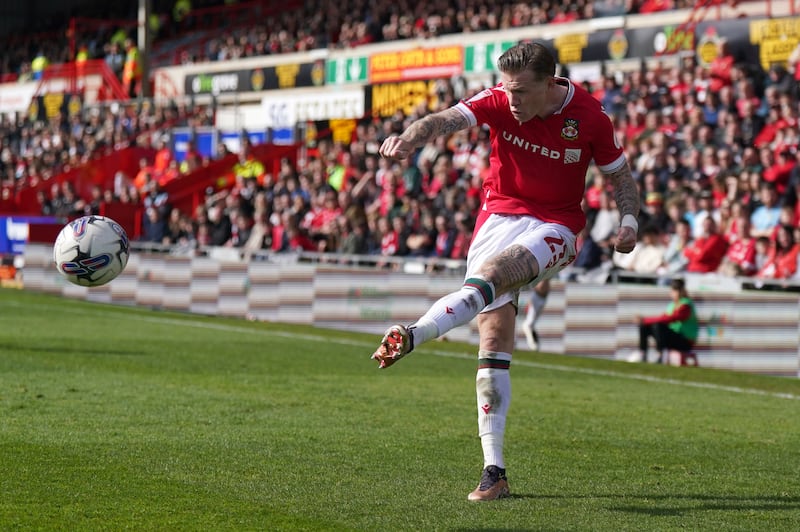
608	153
481	107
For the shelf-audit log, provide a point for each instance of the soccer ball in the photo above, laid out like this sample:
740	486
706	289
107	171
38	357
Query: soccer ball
91	251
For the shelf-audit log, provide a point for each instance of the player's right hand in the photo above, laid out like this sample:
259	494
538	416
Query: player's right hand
395	148
625	240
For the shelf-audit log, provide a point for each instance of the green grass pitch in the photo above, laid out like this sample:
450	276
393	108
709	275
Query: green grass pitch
117	418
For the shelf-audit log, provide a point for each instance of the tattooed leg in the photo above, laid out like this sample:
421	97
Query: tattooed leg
510	270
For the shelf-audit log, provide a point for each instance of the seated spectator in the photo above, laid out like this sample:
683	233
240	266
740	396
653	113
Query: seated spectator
320	220
705	253
353	237
740	259
155	227
677	328
766	215
394	242
464	225
70	205
606	222
782	259
674	259
219	224
178	229
654	212
705	209
422	241
445	236
648	255
241	228
92	206
260	234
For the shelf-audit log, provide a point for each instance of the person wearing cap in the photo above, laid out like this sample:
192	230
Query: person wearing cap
676	329
654	212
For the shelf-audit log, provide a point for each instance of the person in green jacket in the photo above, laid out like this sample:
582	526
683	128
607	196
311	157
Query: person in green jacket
675	329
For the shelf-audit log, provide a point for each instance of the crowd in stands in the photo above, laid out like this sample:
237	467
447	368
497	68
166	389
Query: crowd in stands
33	151
715	150
715	154
216	30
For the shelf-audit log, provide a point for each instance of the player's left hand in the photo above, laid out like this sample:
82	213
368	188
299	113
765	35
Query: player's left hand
626	239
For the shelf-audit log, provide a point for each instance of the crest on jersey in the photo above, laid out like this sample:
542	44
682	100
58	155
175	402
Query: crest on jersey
570	129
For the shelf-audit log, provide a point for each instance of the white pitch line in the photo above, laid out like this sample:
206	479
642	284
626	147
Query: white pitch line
526	363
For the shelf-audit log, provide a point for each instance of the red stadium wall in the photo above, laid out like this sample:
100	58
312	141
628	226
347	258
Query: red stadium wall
100	171
186	192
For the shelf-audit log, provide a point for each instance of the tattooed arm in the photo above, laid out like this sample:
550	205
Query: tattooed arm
423	131
626	194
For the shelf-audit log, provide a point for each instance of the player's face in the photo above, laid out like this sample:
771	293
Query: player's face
527	96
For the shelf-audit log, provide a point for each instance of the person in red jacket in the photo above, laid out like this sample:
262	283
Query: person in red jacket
782	259
677	328
705	253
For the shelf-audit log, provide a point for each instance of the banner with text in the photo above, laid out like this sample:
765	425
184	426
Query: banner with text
420	63
286	76
385	99
285	110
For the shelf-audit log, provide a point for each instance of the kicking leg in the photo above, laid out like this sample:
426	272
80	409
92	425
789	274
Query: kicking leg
508	271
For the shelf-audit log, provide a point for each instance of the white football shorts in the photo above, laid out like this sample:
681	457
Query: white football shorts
552	244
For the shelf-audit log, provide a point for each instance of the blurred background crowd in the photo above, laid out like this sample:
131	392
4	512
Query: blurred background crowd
713	148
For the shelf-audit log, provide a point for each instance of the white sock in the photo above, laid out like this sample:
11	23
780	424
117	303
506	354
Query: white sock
537	305
493	391
530	316
454	309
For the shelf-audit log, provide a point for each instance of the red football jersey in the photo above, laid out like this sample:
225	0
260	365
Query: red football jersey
539	167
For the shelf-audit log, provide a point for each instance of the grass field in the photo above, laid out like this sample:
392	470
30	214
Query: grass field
118	418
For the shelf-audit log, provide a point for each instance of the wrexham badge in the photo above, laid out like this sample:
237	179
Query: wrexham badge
570	129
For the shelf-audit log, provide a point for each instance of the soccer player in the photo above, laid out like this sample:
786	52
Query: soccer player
544	132
538	299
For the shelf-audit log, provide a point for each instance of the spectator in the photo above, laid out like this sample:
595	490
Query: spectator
648	255
115	59
422	241
675	259
720	68
95	201
766	215
705	253
445	236
781	261
177	230
740	259
68	205
155	227
353	239
654	213
132	69
606	222
241	228
220	227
